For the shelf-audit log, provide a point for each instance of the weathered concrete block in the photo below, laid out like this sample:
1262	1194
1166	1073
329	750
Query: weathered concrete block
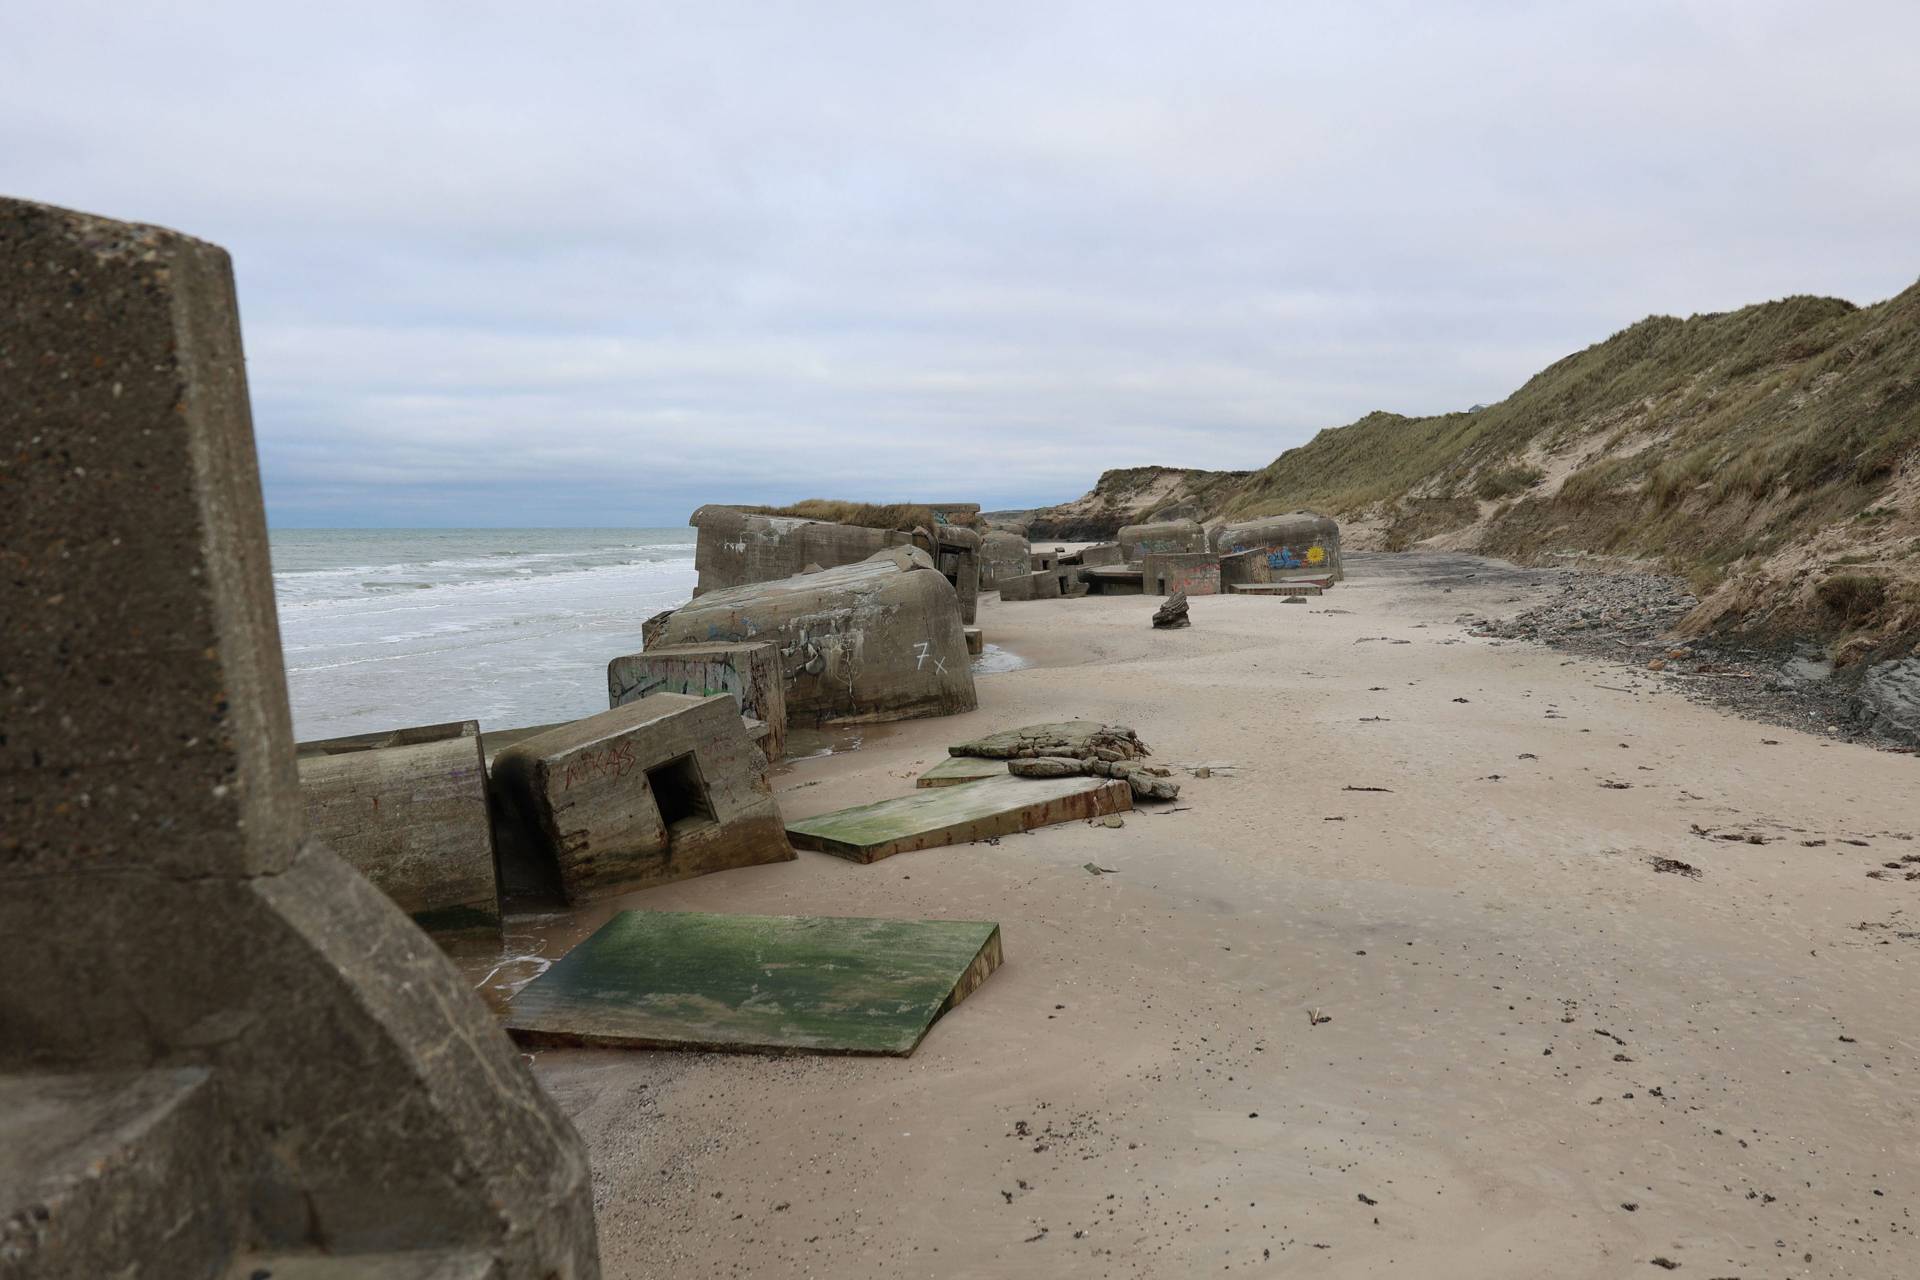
976	641
878	640
1300	543
1169	536
657	790
749	671
956	553
1196	573
1044	585
1102	553
157	890
1278	590
1003	555
408	810
734	548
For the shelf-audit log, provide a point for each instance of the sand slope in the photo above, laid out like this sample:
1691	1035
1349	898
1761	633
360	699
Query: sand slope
1530	1027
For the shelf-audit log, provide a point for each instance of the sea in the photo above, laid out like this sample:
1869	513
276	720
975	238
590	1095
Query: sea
511	627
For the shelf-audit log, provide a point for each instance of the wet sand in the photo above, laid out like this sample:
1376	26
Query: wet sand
1457	1027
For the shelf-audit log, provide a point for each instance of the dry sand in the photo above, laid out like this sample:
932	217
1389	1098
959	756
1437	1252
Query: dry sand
1538	1055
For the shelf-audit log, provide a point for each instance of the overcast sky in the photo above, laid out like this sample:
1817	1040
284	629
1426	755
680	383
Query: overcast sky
512	264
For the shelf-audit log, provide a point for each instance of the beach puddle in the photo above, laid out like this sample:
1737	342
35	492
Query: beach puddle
995	660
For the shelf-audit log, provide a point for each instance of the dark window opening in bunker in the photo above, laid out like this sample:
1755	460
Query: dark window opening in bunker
680	793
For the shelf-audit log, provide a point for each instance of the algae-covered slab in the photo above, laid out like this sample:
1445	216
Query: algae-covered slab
939	816
955	770
756	984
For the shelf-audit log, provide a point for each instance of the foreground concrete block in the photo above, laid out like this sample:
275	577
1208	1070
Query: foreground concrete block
408	810
653	791
976	641
1044	585
748	672
932	817
878	640
1193	573
1303	542
159	897
757	984
1167	537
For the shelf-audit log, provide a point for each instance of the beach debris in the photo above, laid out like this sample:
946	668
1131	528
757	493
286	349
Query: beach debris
756	984
1315	1017
1173	613
1675	866
1351	787
1094	868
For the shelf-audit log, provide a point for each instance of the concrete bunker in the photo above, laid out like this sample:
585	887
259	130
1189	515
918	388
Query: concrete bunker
1003	555
656	790
1166	537
878	640
1193	573
1302	543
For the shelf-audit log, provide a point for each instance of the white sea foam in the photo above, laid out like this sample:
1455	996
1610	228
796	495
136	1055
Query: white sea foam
382	628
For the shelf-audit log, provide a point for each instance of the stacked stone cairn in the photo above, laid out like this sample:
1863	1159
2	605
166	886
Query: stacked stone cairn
1074	749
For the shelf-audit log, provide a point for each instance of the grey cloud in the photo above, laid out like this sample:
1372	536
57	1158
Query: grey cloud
599	263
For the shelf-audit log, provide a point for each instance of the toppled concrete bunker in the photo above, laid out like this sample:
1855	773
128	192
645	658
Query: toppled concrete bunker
222	1051
878	640
1003	555
660	789
408	809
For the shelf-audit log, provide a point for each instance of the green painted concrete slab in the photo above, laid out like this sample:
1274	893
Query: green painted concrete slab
937	816
955	770
756	984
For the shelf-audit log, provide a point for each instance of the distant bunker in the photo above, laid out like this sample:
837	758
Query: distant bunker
408	809
877	640
1167	537
734	548
657	790
1003	555
1301	543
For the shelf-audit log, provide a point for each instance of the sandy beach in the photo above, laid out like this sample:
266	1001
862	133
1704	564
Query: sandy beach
1397	989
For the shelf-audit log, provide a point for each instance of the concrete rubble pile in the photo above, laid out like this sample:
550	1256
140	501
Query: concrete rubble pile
1172	614
1076	748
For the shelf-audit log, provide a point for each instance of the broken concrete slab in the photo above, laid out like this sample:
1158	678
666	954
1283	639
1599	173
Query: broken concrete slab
1192	573
1114	580
933	817
756	984
408	809
1277	589
956	770
1043	585
654	791
878	640
749	672
1077	738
